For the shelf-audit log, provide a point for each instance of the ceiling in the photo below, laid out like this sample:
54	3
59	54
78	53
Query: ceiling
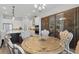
22	10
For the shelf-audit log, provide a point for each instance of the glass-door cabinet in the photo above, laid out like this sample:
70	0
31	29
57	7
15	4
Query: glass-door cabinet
60	22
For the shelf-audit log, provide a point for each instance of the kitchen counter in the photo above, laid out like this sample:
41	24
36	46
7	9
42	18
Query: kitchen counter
15	31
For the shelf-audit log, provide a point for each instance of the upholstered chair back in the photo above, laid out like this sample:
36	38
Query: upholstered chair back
65	39
45	32
69	38
63	36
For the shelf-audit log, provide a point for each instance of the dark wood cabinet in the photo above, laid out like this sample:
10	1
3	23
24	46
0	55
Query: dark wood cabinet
77	25
45	23
59	22
52	25
70	24
52	22
69	21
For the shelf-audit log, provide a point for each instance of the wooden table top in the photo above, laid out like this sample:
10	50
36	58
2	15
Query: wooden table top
36	44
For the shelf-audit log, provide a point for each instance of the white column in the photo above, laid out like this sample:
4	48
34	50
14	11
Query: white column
38	22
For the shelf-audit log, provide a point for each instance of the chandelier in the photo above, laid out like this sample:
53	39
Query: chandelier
40	7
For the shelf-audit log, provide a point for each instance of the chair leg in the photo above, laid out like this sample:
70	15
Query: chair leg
69	52
2	43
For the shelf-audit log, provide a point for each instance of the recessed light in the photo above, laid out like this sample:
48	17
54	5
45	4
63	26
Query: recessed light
6	12
33	10
4	8
35	5
40	8
44	4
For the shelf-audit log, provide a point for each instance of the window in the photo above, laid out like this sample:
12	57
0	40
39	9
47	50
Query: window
7	27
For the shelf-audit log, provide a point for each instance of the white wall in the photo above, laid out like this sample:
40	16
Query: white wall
26	23
17	24
38	22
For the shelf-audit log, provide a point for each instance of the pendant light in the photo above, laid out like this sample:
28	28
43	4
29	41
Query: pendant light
13	12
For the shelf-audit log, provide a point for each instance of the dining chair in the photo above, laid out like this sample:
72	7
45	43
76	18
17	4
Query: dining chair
13	48
18	49
63	36
65	40
25	34
69	38
2	34
77	48
0	39
9	44
45	32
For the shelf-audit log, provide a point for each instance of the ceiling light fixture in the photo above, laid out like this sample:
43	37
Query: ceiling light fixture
4	8
13	12
33	10
40	7
6	12
35	5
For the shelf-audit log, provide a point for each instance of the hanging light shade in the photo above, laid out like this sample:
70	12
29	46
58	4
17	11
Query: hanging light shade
13	14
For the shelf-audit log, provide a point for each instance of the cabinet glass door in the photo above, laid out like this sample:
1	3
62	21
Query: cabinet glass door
60	22
52	22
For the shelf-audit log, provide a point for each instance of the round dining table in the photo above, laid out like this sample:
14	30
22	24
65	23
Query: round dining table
42	45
